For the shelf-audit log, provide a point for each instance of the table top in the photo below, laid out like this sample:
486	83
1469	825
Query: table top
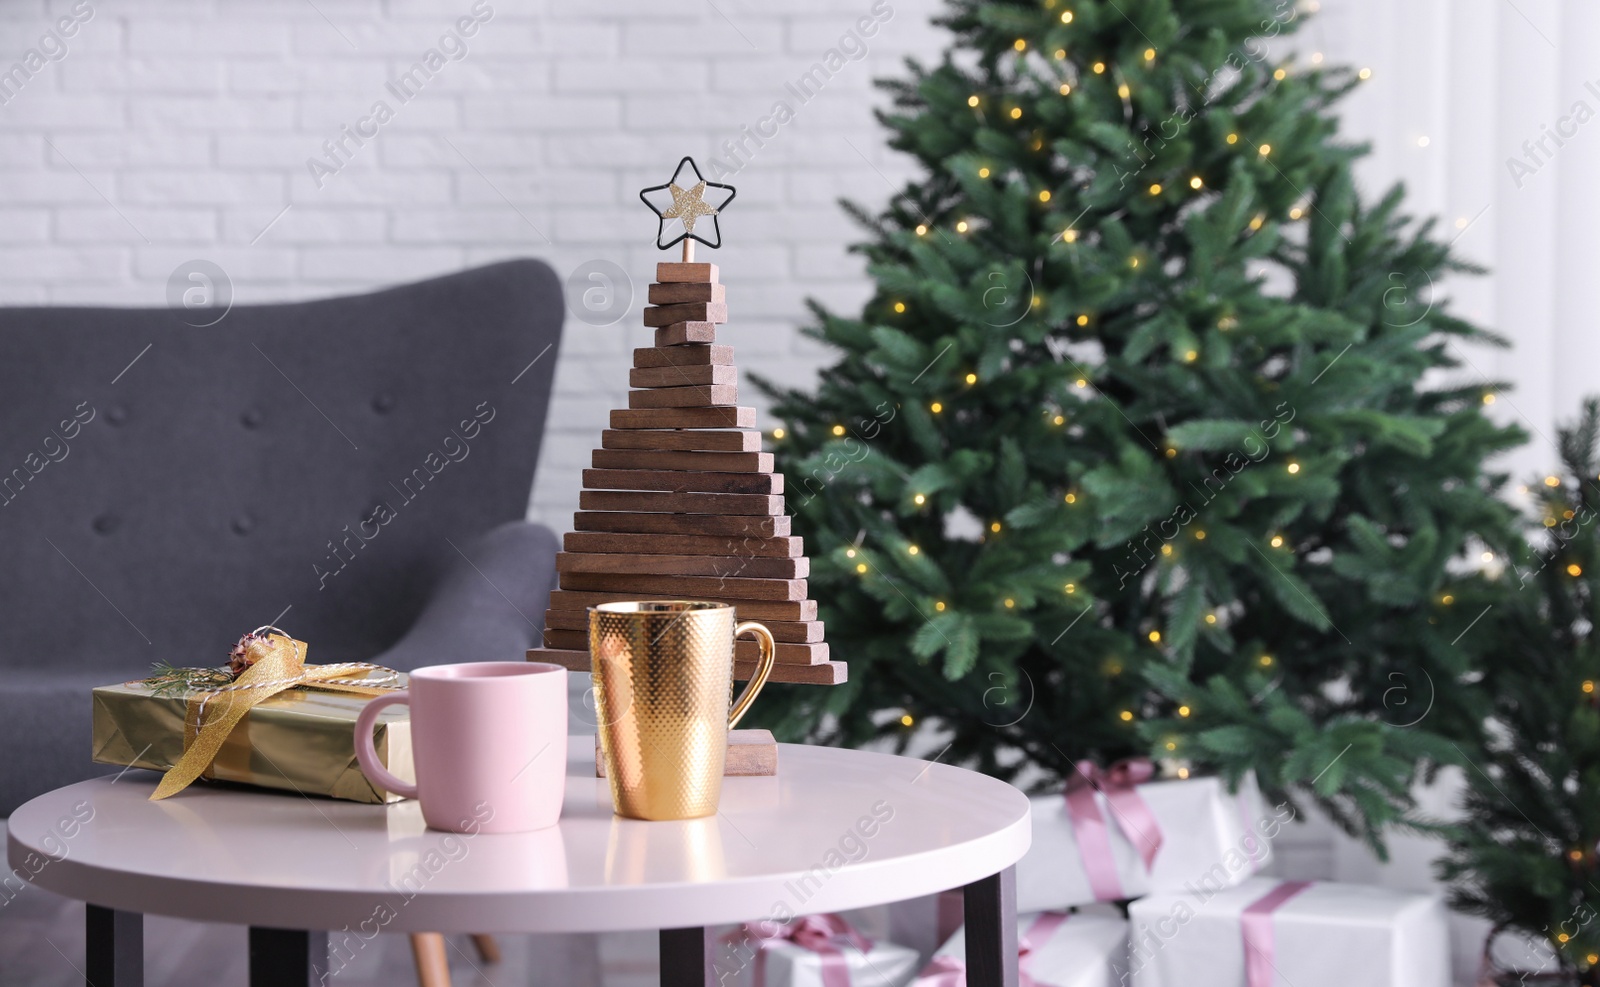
835	829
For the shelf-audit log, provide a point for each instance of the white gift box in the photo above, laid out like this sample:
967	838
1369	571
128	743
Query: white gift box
1327	935
1088	949
776	962
1207	835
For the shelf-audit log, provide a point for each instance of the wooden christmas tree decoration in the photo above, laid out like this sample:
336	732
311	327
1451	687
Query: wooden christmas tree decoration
681	503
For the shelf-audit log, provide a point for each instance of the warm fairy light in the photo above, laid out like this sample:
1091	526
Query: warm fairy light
983	172
1066	17
861	567
1126	715
1233	138
1588	685
1488	398
1196	182
1211	618
922	229
1071	236
1562	936
1265	661
1149	54
1166	549
1016	113
1155	637
1133	262
1364	74
1059	420
1183	711
1277	541
1183	773
1071	498
1294	467
1071	587
1021	44
1172	745
907	720
939	606
1296	212
1123	90
1316	58
1280	75
1038	143
1082	382
1593	958
1447	599
1488	556
778	433
1191	356
1061	53
995	527
1264	150
913	549
1172	452
961	227
838	430
1574	569
899	306
1044	196
1083	320
920	499
972	378
849	553
936	407
1010	603
1256	221
1099	68
1065	90
1200	535
1155	188
1552	481
972	101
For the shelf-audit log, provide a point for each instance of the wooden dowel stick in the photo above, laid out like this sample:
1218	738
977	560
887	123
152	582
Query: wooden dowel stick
688	251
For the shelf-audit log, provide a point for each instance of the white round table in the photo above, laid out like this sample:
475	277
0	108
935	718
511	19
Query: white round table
314	877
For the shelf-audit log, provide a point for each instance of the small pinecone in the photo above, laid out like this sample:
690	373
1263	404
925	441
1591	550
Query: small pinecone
240	657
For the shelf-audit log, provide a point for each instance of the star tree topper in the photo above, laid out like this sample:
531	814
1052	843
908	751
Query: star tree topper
688	205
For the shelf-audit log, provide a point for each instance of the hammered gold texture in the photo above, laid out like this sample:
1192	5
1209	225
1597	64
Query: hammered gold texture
663	681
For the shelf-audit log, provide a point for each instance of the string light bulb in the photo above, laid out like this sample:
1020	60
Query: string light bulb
778	433
913	549
1099	68
838	430
972	100
861	567
1066	17
1016	113
961	227
899	306
1044	195
1552	481
1126	716
1124	91
1196	182
1364	75
995	527
1264	150
936	407
1155	637
1149	54
1294	468
1021	44
972	378
1184	711
1155	188
939	606
1574	569
920	499
1066	90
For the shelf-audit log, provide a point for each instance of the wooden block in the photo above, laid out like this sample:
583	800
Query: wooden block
751	754
675	293
684	333
683	356
682	441
828	673
783	631
658	316
740	526
701	396
786	654
718	462
684	565
670	272
684	418
683	481
687	587
683	376
739	548
665	502
580	601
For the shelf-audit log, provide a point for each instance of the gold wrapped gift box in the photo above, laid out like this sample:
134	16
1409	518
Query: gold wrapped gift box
301	740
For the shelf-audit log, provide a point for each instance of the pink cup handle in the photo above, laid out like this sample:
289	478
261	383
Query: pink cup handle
367	754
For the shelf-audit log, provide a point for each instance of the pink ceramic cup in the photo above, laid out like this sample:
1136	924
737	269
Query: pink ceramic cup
489	742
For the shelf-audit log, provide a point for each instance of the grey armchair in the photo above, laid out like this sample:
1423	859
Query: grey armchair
355	470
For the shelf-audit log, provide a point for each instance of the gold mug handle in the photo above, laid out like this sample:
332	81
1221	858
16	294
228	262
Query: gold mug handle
769	650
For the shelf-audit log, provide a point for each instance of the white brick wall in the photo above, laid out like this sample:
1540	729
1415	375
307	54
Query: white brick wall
173	130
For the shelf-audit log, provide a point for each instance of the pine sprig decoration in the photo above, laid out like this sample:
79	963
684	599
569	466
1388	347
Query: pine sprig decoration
1132	451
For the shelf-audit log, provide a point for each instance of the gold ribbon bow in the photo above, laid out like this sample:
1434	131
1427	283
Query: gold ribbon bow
278	665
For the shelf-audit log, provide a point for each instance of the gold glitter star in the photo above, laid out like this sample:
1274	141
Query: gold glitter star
688	204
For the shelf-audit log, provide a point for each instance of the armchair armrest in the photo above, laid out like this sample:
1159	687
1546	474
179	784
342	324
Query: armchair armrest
489	605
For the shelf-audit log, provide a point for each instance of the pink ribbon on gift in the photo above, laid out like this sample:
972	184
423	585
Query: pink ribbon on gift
1131	812
951	971
1255	926
817	933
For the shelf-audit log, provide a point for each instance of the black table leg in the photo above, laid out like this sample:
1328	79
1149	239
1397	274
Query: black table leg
287	958
687	958
115	948
991	913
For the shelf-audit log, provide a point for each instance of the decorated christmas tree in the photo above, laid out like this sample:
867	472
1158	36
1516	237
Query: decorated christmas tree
1144	443
1524	854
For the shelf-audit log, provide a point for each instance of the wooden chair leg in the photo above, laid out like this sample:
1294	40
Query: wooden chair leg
433	967
488	949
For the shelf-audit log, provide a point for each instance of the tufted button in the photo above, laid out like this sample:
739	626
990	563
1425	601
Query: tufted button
243	524
105	524
383	404
250	419
117	415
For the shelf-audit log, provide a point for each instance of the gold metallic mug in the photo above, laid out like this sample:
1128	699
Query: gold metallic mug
663	682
